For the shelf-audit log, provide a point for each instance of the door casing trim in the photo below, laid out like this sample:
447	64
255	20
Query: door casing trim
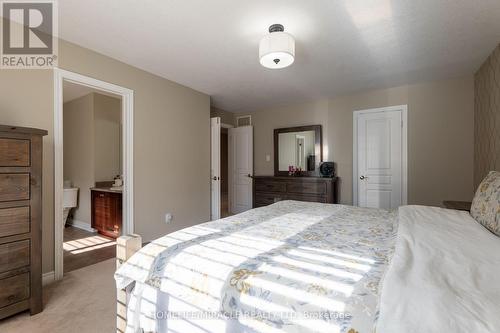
127	96
404	146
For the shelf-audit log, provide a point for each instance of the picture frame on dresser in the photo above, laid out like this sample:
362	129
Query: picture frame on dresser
20	220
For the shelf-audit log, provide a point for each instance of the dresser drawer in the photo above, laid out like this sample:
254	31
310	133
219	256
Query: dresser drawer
269	189
307	198
14	152
14	186
14	221
270	186
14	255
264	199
14	289
306	188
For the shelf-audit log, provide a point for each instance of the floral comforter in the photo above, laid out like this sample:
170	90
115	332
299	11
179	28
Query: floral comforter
288	267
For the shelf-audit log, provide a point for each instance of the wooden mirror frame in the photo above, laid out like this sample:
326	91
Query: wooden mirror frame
318	148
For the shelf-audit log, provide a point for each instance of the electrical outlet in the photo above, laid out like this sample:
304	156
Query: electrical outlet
168	218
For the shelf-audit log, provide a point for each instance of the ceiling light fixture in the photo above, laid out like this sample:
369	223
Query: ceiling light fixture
277	50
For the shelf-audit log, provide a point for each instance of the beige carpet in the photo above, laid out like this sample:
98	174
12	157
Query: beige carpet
84	301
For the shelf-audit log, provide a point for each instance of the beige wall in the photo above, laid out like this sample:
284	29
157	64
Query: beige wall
487	117
26	99
79	151
226	117
171	150
107	137
265	121
440	136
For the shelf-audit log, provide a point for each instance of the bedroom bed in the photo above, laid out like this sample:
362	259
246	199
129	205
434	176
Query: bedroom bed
309	267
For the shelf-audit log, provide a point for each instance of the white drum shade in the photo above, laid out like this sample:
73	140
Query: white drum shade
277	50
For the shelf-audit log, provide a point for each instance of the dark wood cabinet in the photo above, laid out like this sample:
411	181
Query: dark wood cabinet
107	212
270	189
20	220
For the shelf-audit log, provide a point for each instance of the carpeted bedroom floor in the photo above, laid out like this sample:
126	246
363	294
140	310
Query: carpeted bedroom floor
84	301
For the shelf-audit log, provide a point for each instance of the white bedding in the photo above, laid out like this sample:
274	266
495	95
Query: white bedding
288	267
444	275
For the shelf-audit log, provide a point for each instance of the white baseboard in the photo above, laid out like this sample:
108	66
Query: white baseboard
48	278
82	225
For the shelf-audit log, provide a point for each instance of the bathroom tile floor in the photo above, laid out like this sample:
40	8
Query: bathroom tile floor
83	248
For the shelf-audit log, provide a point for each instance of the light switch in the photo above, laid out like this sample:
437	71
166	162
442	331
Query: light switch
268	158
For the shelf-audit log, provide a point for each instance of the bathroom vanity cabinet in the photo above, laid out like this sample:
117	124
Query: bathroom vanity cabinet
106	212
20	220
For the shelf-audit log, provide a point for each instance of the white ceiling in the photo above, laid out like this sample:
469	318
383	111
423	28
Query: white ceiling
73	91
341	46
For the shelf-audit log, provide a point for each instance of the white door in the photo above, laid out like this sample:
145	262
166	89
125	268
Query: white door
240	168
215	168
380	157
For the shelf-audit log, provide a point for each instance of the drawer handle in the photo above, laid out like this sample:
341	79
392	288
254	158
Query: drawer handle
101	195
11	298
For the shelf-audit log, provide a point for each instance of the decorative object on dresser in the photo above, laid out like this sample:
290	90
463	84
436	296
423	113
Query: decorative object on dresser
327	169
268	189
106	215
458	205
20	220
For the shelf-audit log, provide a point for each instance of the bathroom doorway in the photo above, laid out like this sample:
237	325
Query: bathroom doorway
93	170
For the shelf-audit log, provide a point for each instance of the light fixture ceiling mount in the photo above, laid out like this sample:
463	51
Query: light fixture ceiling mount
276	27
277	49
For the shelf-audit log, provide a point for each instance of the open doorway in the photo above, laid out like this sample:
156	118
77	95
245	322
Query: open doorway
220	169
93	170
231	169
224	173
92	174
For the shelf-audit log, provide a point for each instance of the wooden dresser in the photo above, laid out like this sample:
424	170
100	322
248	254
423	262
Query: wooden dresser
106	212
270	189
20	220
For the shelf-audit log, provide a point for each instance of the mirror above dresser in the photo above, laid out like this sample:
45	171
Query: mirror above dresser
298	148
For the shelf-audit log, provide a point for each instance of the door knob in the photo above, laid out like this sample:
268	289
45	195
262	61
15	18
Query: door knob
363	177
214	178
249	176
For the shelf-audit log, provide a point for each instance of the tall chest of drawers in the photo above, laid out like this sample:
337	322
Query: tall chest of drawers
20	220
